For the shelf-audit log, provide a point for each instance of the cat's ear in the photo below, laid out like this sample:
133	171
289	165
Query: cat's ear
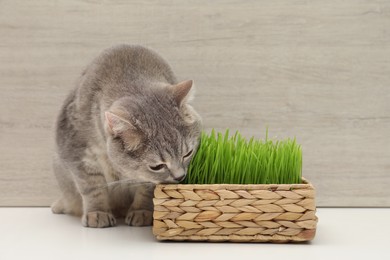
183	92
118	126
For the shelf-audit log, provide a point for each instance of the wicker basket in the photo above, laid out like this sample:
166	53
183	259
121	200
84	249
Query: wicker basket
237	213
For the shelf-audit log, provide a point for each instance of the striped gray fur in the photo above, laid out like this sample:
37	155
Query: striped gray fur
125	127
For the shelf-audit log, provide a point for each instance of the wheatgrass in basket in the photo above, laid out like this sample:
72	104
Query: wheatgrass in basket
222	158
238	191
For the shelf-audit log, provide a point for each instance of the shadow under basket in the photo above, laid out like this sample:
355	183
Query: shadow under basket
235	212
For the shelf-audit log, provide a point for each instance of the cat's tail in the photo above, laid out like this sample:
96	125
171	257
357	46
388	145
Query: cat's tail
58	207
62	206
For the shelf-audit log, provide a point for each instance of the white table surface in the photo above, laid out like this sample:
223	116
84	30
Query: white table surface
36	233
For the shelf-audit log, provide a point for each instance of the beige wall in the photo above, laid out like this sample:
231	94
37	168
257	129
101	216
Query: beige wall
317	70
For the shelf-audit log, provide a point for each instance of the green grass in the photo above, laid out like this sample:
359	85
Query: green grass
222	158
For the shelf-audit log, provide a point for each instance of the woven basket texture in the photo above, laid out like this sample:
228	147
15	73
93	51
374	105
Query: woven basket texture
236	213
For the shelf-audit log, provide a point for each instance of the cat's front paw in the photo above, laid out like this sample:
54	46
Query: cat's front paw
141	217
98	219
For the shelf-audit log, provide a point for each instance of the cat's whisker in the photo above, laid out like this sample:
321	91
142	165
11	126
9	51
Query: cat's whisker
127	182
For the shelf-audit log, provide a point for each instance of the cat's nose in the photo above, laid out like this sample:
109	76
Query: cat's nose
180	178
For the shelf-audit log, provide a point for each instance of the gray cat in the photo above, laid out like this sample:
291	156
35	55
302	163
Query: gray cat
126	127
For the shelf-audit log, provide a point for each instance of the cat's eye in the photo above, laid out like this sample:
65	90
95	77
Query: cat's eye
157	167
187	155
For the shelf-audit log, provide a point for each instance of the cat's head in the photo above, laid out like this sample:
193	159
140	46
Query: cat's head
152	137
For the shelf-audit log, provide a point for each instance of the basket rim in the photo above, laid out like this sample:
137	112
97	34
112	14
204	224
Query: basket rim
304	185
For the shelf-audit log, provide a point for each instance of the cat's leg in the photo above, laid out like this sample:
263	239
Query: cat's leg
140	212
70	201
84	193
92	187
